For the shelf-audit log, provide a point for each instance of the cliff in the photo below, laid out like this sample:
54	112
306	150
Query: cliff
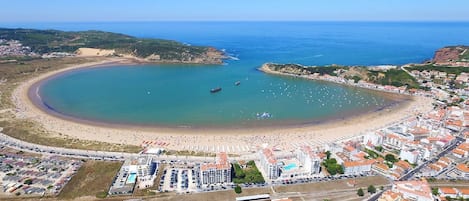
451	54
107	43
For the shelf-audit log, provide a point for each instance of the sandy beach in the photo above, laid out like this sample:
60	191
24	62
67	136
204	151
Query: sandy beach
210	140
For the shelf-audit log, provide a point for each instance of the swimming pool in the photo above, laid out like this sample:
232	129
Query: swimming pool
131	179
289	166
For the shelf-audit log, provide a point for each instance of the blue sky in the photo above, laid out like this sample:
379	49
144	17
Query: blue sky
235	10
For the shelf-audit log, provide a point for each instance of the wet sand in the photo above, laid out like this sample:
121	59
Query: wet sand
233	140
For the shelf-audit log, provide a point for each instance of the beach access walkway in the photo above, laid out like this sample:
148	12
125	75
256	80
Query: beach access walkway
17	144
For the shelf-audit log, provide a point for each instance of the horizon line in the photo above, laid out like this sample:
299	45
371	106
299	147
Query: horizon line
293	20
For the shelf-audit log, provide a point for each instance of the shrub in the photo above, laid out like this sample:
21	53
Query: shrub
360	192
238	189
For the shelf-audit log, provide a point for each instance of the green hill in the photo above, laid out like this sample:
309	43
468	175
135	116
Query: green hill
45	41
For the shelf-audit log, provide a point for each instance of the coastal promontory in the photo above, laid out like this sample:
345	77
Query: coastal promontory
42	43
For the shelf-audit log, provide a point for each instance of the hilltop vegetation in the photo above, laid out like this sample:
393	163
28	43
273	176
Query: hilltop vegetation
393	77
446	69
46	41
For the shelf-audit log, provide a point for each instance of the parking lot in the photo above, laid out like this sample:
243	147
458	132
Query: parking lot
183	180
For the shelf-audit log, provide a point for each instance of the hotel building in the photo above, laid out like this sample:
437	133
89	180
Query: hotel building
310	160
218	172
269	164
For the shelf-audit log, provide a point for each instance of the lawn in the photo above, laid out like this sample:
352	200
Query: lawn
93	178
250	174
363	182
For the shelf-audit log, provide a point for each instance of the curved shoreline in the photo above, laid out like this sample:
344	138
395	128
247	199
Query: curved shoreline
396	100
188	138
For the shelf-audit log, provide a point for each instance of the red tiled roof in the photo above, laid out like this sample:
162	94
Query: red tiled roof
349	148
403	164
447	191
222	163
459	152
464	191
420	188
463	168
358	163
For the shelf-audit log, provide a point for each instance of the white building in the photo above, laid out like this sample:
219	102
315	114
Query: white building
218	172
462	170
357	167
142	166
409	154
269	164
413	190
311	161
373	139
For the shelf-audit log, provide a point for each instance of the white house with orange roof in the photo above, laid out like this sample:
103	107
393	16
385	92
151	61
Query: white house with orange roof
462	151
218	172
413	190
350	150
357	167
269	164
381	168
391	196
464	192
448	192
462	170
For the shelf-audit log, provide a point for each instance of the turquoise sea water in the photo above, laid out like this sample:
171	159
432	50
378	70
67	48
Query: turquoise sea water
178	95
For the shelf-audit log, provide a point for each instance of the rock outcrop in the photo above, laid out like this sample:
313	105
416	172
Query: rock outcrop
449	54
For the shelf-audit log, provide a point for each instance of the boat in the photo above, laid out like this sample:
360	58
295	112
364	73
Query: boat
215	90
237	83
264	115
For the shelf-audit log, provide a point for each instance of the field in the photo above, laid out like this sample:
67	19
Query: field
93	178
333	190
250	174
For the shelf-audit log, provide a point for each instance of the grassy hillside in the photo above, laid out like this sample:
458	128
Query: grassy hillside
447	69
394	77
43	41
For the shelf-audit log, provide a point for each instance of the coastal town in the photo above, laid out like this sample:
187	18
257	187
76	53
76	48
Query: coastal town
422	155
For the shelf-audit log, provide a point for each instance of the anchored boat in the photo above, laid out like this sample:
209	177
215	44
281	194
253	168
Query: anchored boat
215	90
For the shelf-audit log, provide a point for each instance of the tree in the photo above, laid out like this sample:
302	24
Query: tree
371	189
379	148
28	181
238	189
332	167
435	191
390	157
328	154
360	192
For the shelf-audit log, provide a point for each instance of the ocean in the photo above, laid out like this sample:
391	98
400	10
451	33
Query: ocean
178	95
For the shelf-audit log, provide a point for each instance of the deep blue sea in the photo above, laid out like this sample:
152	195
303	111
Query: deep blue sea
178	95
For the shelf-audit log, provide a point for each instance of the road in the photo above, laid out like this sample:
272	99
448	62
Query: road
444	152
14	143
